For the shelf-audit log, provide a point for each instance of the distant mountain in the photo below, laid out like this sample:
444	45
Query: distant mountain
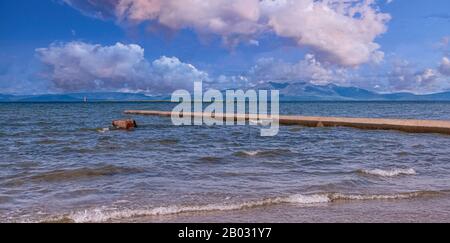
112	96
444	96
46	98
298	91
4	97
304	91
79	97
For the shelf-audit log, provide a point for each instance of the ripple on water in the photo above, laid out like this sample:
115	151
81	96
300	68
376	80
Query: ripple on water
48	141
210	159
78	150
63	175
168	141
5	199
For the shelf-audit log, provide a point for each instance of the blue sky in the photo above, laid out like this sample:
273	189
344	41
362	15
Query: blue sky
52	46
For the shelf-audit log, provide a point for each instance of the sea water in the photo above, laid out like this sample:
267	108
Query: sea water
63	162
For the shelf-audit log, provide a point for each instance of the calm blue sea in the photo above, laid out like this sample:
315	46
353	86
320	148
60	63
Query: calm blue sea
62	162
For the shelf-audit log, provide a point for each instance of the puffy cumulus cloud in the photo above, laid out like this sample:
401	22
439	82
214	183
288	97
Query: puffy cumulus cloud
308	69
82	66
169	73
426	77
223	82
340	31
444	46
224	17
78	66
405	77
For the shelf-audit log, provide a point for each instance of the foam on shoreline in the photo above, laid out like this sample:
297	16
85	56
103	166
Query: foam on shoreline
105	215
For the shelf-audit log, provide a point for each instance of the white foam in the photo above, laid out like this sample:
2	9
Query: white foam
339	196
308	199
103	130
104	214
390	173
251	153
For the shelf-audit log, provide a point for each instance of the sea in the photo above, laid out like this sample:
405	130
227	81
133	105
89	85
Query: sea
63	162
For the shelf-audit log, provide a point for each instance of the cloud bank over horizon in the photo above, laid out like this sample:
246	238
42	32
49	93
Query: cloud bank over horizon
79	66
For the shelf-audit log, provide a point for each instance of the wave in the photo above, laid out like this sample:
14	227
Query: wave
408	195
263	153
48	141
210	159
168	141
103	130
247	153
388	173
105	215
70	175
82	173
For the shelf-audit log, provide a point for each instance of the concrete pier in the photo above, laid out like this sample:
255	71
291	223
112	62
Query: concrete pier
405	125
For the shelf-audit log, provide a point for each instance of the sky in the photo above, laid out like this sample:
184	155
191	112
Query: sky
158	46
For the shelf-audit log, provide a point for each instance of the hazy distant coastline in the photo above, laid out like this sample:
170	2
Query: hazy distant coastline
294	92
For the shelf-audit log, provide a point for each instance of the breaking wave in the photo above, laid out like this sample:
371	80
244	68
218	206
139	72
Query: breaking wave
263	153
103	130
389	173
247	153
105	215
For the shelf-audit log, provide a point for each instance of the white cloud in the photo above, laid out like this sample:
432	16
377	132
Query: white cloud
306	70
405	77
232	19
444	68
170	73
253	42
426	77
79	66
342	32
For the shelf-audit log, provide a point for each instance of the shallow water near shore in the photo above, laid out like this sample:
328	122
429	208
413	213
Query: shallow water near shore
61	162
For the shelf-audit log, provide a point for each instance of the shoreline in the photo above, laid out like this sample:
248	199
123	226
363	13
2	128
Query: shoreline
412	210
416	210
